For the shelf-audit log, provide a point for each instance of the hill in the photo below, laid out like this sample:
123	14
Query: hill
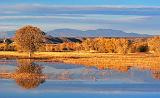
87	33
93	33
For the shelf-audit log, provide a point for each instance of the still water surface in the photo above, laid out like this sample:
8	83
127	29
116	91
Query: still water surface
26	78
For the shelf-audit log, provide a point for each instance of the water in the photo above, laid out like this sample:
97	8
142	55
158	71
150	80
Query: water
26	78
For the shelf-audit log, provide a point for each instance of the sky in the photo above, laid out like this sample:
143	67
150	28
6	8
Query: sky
139	16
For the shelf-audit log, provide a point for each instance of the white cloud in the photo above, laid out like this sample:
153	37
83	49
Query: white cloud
7	27
143	19
37	9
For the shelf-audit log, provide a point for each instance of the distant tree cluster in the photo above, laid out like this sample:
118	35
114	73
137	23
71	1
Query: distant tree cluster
110	45
102	45
139	45
107	45
7	45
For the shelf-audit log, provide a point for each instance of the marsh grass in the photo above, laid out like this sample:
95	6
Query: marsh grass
99	60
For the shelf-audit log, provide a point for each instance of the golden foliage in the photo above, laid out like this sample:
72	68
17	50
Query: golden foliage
32	39
108	45
29	38
154	44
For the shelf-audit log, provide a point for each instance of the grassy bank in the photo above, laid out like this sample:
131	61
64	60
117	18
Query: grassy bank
82	54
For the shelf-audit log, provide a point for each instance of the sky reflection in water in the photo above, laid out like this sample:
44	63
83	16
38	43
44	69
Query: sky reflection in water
52	79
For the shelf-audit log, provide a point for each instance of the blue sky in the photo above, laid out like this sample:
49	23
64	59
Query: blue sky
140	16
87	2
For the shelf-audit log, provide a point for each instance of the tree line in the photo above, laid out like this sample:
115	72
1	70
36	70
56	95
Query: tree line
32	39
110	45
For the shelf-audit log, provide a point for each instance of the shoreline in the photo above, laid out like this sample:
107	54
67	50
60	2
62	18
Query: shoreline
76	54
101	61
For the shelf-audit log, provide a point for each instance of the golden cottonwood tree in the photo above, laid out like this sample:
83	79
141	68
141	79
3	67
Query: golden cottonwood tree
122	45
29	38
154	44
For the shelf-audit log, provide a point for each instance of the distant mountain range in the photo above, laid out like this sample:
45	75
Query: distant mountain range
93	33
8	34
87	33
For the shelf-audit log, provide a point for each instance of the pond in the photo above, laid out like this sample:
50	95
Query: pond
28	78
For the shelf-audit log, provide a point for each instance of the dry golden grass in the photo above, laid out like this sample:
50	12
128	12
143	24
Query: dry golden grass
100	60
113	61
119	62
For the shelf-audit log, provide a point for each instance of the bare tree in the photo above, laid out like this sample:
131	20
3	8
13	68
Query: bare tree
29	39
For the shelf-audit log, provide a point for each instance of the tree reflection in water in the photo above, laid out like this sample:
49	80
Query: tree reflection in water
28	66
28	75
155	70
156	75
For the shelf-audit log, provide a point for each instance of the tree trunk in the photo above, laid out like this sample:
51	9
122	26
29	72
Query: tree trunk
30	54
